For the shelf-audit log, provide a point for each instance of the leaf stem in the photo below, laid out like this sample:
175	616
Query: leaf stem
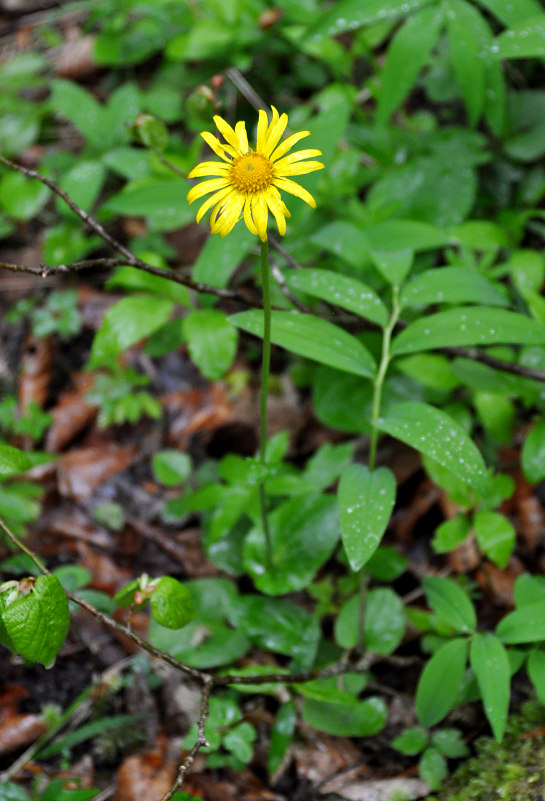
265	373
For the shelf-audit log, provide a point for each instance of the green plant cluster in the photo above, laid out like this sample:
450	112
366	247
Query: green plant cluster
426	242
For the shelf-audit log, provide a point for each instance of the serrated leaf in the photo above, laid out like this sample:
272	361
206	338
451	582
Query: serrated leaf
408	52
524	39
365	500
440	682
533	454
450	603
435	433
38	622
313	338
126	323
348	15
212	341
523	625
340	290
13	461
495	535
450	285
172	603
471	325
490	665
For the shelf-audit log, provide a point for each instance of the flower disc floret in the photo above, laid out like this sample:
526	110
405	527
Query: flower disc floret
247	183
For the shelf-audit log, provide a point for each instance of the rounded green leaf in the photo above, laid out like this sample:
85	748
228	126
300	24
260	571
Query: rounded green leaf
38	622
433	768
495	535
490	665
365	500
351	718
411	741
313	338
212	341
13	461
434	433
384	623
172	604
450	603
171	467
523	625
440	682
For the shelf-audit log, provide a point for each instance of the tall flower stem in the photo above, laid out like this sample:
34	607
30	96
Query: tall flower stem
375	414
265	372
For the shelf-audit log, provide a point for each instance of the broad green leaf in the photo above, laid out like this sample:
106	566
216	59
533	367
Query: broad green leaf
303	533
212	341
340	290
431	369
479	235
172	603
135	280
529	590
365	500
81	108
407	53
161	200
464	25
200	644
21	197
82	183
472	325
536	672
352	718
495	535
171	467
411	741
450	534
38	622
219	257
126	323
523	625
13	461
440	682
509	12
449	742
330	388
450	603
313	338
394	265
384	623
433	768
450	285
524	39
490	665
435	433
533	454
13	792
348	15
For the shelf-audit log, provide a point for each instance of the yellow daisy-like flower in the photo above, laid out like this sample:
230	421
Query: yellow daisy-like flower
249	181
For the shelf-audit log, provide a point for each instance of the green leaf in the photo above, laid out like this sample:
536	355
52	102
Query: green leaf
450	285
135	280
384	624
82	183
366	500
161	200
472	325
94	729
450	534
529	590
340	290
219	257
172	604
536	672
171	467
303	533
81	108
524	39
394	265
38	622
348	15
21	197
408	52
490	665
440	682
411	741
13	792
510	13
281	735
200	644
533	454
435	433
450	603
495	535
127	322
433	768
313	338
212	341
449	742
349	719
464	25
13	461
239	741
523	625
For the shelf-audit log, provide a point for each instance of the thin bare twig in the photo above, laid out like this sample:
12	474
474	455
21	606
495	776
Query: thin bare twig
498	364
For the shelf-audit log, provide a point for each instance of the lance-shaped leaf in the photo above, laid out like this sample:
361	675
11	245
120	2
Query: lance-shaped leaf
490	664
440	682
451	285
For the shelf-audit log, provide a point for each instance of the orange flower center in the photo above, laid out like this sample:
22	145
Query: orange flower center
251	173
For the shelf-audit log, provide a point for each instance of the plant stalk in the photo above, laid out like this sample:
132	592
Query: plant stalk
265	373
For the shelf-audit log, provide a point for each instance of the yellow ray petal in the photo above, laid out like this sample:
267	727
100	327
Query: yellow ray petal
242	136
230	213
209	168
295	189
260	214
216	198
287	144
250	225
278	209
302	168
262	130
275	133
299	155
219	149
227	132
206	187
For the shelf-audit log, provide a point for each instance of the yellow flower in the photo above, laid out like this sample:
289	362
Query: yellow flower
249	181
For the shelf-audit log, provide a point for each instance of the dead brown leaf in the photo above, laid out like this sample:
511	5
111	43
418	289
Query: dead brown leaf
36	371
81	471
143	777
71	415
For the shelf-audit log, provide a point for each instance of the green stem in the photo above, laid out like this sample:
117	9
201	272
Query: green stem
375	414
265	372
